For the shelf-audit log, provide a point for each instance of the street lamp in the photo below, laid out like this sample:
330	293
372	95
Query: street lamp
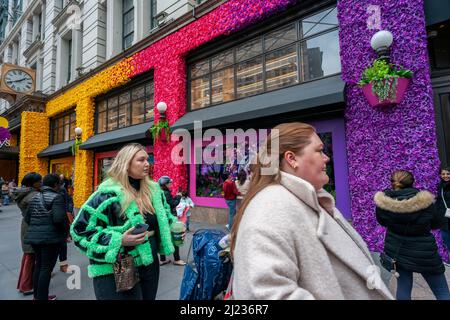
162	107
380	42
78	132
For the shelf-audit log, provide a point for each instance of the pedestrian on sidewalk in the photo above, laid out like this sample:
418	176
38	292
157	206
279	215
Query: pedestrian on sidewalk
31	184
409	215
166	184
48	228
103	229
231	193
443	205
184	209
289	241
62	255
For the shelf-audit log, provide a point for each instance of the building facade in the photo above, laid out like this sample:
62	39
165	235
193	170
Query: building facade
252	65
63	41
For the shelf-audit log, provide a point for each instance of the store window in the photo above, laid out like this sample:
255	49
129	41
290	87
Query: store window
62	128
206	179
301	51
133	105
439	46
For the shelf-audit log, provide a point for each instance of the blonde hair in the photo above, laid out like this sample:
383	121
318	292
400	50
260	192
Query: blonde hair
119	173
402	179
291	137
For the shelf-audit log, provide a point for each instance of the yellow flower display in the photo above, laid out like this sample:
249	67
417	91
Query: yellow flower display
82	98
34	138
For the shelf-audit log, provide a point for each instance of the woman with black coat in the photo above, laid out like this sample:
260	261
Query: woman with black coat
48	227
443	203
409	215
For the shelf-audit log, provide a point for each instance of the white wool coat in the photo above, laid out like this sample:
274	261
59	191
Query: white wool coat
293	243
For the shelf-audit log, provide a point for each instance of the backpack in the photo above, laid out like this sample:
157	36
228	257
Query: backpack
207	275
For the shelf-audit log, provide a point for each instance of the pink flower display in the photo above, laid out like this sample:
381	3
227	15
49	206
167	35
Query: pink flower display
167	58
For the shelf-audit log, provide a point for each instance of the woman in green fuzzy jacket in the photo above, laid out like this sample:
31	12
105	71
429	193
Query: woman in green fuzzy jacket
103	228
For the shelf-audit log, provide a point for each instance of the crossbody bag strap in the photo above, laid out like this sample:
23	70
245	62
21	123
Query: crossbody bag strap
443	198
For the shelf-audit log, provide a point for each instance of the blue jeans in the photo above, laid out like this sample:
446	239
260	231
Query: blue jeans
436	282
232	205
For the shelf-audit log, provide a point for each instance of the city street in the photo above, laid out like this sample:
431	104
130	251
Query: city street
11	255
170	275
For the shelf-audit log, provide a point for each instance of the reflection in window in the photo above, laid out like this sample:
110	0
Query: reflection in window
322	21
249	50
249	77
269	62
281	68
132	106
319	56
200	92
223	85
63	128
280	37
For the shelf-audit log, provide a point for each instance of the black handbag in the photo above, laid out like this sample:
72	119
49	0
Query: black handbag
390	264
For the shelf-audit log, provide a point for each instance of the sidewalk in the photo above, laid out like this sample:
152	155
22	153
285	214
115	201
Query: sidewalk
169	280
11	255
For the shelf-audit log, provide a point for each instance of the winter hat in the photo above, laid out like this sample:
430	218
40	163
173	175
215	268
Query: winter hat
164	180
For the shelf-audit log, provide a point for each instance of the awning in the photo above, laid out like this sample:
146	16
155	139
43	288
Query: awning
305	96
56	149
128	134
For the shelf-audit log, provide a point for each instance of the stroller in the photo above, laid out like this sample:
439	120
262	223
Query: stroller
207	275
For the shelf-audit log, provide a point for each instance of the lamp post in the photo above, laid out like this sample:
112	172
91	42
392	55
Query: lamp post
162	107
78	132
380	42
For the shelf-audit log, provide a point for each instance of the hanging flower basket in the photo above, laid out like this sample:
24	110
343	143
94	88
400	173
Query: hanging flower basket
161	131
397	88
384	84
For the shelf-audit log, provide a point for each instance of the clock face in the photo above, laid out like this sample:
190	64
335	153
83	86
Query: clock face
18	80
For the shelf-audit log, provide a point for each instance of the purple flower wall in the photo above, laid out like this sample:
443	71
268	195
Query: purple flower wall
380	141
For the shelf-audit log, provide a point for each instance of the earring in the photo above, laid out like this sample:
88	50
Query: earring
295	166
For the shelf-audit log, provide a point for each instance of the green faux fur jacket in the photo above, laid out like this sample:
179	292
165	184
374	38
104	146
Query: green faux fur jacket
97	229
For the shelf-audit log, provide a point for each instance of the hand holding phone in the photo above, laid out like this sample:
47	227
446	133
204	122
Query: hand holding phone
139	228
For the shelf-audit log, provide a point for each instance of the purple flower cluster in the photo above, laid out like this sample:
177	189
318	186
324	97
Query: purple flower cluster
380	141
4	134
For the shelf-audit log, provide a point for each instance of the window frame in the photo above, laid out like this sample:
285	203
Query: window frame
116	93
261	30
54	126
131	33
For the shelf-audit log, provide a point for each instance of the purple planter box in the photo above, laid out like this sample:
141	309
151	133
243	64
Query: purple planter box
402	85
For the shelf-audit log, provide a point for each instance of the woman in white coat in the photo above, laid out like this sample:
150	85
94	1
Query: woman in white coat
289	241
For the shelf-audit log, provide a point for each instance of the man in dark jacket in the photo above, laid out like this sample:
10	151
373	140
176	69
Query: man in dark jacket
230	193
47	228
166	183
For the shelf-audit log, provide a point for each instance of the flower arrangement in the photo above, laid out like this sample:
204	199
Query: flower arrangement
384	80
161	127
34	138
